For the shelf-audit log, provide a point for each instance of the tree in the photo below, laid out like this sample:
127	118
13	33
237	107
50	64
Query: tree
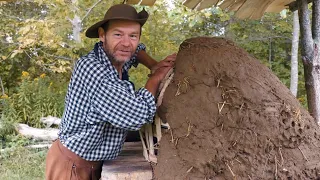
310	38
294	54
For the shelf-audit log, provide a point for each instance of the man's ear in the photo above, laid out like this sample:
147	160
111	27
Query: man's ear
101	34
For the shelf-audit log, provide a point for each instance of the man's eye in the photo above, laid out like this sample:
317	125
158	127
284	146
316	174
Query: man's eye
134	36
118	35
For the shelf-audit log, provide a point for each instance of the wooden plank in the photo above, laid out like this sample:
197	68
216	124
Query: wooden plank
237	5
131	151
261	10
132	146
278	5
253	8
133	1
147	2
191	3
226	4
124	167
130	164
246	10
206	4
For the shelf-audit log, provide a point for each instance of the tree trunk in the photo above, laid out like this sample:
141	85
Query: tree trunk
76	22
270	53
2	88
294	54
76	28
310	54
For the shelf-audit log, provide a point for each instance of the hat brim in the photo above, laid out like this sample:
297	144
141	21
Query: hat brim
92	32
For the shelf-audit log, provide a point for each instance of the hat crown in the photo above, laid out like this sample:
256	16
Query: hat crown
121	11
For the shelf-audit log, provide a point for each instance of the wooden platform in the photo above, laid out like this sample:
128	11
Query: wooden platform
130	165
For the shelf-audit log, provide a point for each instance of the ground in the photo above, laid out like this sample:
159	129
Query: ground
18	162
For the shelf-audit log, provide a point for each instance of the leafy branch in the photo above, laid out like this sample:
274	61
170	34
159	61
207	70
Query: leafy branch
90	9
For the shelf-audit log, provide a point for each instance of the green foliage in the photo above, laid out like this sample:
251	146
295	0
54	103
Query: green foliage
35	98
139	76
7	125
13	141
7	117
159	34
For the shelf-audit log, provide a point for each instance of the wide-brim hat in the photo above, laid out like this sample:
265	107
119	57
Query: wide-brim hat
120	12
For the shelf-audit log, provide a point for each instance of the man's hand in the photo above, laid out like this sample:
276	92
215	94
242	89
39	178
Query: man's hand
161	72
155	78
158	71
167	62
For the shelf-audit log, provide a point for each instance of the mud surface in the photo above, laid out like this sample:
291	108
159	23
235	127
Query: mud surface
232	118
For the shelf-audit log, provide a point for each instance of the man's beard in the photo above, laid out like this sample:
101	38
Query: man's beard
110	55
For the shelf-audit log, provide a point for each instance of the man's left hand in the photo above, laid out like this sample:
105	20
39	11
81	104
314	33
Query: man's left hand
166	62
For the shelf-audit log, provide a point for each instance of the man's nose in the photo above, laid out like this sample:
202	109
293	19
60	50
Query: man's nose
125	41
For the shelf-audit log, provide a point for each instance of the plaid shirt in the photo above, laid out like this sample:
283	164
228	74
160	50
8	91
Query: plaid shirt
100	108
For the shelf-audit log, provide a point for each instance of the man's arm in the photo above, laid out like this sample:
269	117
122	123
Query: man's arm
113	102
123	109
154	80
145	59
152	64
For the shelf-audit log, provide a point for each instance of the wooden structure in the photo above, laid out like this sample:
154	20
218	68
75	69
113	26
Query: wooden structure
245	9
130	164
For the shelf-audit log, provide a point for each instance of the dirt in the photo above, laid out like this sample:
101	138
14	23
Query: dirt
232	118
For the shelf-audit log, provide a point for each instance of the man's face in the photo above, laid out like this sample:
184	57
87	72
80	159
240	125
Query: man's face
121	39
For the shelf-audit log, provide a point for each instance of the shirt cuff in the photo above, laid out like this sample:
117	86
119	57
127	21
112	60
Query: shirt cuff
134	59
144	94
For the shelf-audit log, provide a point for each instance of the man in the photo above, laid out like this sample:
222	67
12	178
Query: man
101	104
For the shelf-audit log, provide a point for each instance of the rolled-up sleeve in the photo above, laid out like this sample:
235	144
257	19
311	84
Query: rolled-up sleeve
122	107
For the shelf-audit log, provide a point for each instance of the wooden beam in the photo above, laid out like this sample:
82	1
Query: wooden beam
253	9
130	164
237	5
133	1
191	3
207	4
278	5
261	10
293	6
226	4
147	2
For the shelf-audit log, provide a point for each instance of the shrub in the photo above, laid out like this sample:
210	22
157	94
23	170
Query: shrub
35	98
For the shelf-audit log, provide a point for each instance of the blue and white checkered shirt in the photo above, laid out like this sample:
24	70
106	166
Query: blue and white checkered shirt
100	108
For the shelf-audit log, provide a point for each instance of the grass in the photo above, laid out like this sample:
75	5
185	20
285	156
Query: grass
20	163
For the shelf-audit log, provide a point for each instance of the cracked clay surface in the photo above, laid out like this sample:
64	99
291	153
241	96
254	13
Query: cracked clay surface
232	118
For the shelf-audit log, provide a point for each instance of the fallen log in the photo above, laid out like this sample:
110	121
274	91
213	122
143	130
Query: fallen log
39	146
50	120
38	134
